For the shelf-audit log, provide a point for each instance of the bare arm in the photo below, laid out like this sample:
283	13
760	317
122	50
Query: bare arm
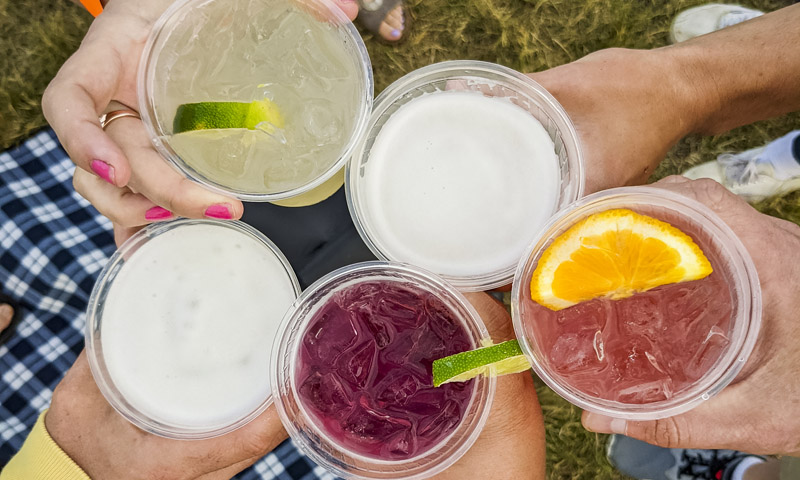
745	73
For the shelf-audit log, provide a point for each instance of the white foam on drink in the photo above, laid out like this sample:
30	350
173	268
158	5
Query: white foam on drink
188	325
460	183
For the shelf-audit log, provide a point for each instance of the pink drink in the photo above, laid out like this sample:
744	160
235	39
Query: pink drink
364	369
641	349
646	348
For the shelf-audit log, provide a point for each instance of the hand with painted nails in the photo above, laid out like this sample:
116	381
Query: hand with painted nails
758	412
119	171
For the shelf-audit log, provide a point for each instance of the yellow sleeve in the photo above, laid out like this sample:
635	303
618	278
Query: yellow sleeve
40	458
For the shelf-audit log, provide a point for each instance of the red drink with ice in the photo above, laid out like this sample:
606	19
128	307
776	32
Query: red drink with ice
352	373
655	353
364	369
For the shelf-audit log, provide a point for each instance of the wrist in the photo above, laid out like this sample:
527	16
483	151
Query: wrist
692	85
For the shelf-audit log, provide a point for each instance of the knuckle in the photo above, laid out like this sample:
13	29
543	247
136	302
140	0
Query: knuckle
666	433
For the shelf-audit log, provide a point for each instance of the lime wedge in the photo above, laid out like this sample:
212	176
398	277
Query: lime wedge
501	359
259	114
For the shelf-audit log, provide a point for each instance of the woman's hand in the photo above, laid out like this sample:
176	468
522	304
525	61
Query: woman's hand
119	171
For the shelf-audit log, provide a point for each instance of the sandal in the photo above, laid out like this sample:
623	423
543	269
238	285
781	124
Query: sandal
373	13
7	332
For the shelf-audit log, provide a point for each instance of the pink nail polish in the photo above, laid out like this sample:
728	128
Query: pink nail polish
103	170
221	211
157	213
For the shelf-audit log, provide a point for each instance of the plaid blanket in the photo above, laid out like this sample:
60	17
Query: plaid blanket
53	244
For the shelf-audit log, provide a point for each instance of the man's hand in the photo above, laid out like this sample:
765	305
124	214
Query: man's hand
107	446
629	108
760	411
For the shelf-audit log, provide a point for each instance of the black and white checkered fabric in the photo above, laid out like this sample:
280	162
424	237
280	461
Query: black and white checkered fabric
53	244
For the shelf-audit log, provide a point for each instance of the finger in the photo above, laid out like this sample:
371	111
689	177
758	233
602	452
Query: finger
83	88
122	234
120	205
673	180
244	445
719	423
228	472
349	7
154	178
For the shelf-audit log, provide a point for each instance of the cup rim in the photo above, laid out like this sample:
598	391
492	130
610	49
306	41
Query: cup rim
436	72
282	374
92	330
145	87
745	277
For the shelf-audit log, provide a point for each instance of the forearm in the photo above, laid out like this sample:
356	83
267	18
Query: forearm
742	74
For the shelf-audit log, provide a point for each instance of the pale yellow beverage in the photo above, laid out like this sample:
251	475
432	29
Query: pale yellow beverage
299	55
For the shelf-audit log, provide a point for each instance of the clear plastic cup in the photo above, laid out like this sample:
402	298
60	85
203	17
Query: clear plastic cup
721	246
139	398
303	427
320	79
479	78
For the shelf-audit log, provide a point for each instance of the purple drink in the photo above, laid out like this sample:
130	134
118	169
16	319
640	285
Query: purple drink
364	369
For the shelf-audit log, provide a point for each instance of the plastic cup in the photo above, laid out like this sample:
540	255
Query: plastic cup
479	78
155	385
721	246
302	426
172	48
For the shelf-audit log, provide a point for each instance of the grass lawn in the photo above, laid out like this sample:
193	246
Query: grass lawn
528	35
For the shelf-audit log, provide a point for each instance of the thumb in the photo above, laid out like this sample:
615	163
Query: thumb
716	424
349	7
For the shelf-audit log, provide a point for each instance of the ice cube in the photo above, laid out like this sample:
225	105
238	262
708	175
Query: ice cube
447	418
573	352
330	333
442	319
354	298
380	326
357	365
401	445
328	394
369	424
642	314
396	388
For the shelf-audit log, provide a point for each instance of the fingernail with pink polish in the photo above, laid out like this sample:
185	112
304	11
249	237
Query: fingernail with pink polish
103	170
157	213
220	211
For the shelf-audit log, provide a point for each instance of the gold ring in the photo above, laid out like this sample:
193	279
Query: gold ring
109	117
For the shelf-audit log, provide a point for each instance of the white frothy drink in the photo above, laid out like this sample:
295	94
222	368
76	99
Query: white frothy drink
188	325
460	183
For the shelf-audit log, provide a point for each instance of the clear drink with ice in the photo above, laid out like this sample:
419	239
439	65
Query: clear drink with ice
297	54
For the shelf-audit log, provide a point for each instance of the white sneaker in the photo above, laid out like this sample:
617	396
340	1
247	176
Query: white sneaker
752	174
708	18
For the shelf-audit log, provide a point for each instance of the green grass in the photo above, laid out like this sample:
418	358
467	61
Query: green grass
527	35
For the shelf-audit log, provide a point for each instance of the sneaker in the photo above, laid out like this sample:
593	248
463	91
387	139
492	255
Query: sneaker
752	174
708	18
648	462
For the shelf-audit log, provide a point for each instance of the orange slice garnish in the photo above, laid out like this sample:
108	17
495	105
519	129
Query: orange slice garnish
614	254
